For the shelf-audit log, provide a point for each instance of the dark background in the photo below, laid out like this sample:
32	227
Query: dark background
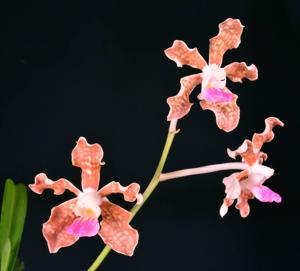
99	71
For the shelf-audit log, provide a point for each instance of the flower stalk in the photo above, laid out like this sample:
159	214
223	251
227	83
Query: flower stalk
149	190
202	170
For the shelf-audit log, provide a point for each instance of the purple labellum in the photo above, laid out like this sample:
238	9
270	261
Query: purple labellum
215	95
84	227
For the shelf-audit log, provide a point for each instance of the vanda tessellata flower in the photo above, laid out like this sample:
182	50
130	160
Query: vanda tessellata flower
248	184
78	217
214	94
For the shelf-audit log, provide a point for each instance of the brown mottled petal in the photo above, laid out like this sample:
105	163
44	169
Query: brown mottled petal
130	192
267	135
180	104
229	37
262	157
244	208
41	182
54	230
115	229
227	113
242	203
242	175
183	55
246	152
232	186
250	150
228	202
237	71
241	149
88	157
224	207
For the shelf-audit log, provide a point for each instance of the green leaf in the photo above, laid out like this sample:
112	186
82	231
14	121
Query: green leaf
19	214
19	266
5	255
18	221
13	213
8	205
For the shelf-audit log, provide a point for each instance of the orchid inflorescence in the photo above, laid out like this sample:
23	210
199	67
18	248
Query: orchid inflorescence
79	217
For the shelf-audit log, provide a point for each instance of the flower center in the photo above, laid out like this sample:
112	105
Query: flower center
87	205
214	77
214	85
259	174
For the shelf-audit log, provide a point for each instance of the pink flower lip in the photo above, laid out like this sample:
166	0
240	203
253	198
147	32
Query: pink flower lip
216	95
84	227
265	194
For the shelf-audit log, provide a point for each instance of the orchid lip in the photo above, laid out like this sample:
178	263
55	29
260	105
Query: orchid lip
84	227
216	95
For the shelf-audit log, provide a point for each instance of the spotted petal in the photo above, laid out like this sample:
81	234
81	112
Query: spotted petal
247	144
237	71
88	157
267	135
41	182
180	104
245	151
227	113
130	192
235	190
243	205
229	37
55	229
250	150
183	55
224	207
115	229
232	186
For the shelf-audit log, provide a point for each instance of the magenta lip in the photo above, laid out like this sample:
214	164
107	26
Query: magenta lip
84	227
217	95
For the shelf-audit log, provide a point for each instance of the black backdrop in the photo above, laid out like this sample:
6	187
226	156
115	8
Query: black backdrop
99	71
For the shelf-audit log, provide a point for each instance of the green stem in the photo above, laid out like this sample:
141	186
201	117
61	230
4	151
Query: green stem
155	179
150	188
100	258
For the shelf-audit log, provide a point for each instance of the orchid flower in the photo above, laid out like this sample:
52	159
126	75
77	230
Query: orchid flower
248	183
79	216
214	94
